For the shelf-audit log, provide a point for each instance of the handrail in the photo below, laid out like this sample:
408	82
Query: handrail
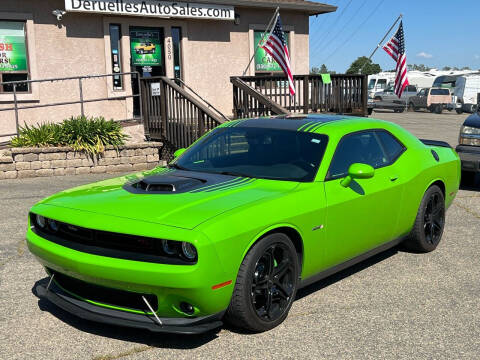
201	98
190	98
236	81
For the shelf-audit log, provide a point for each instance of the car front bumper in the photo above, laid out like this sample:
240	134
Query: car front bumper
84	310
470	157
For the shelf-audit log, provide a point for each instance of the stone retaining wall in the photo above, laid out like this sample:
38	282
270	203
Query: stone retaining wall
60	161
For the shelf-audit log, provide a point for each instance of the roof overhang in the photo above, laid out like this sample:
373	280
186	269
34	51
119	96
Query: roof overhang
309	7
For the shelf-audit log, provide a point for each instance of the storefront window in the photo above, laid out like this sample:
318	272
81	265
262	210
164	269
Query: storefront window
177	56
115	37
264	63
13	55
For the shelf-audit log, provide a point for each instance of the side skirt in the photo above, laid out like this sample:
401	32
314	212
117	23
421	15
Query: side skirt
326	273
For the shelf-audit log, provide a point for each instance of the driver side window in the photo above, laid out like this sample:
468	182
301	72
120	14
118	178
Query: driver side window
362	147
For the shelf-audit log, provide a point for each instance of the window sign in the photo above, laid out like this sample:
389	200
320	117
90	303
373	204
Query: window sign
13	50
146	47
263	61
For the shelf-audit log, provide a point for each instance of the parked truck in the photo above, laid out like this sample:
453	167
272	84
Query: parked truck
467	88
432	99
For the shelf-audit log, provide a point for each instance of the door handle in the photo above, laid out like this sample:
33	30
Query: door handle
394	178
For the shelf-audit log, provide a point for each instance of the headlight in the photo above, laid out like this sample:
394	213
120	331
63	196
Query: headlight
189	251
468	130
53	225
41	221
169	247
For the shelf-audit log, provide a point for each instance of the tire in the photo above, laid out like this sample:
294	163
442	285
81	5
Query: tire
411	107
429	223
378	98
261	300
438	109
370	111
459	111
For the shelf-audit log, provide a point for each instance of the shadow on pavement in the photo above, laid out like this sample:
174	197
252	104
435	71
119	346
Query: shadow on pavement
332	279
140	336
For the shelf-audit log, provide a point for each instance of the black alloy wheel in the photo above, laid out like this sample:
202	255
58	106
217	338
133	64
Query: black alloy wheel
434	219
428	228
273	282
266	285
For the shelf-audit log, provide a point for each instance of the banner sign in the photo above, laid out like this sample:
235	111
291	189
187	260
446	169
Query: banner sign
263	61
146	47
164	9
13	51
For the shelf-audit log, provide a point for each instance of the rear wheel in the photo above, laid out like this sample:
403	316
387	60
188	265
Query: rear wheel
266	285
411	107
459	111
429	223
437	109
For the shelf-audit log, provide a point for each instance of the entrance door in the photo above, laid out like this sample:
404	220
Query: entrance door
147	56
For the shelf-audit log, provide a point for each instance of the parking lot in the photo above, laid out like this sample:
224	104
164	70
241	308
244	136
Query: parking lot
396	305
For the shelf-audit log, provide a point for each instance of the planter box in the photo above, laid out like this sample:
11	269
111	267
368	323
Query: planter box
59	161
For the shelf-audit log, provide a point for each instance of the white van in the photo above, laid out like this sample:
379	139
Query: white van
466	89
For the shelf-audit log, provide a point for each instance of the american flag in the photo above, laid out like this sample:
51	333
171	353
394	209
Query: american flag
395	47
276	46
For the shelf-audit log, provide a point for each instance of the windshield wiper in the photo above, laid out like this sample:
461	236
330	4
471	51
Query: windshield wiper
178	167
233	173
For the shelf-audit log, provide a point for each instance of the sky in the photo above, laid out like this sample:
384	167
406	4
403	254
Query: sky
438	33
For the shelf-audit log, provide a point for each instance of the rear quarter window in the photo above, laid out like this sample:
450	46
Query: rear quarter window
391	145
439	92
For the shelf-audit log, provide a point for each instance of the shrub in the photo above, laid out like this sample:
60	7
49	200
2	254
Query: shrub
90	135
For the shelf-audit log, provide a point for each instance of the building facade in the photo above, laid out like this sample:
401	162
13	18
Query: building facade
201	43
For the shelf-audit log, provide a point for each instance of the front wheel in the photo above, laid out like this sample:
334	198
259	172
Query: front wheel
411	107
429	223
266	285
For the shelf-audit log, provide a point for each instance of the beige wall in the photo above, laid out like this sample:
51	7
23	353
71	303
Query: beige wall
212	52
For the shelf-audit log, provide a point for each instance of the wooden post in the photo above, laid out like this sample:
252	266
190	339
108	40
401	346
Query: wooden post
201	124
364	95
163	107
306	97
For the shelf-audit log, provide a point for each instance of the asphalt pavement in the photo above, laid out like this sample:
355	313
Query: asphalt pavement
397	305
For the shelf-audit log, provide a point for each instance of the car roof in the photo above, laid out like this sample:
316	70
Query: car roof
302	122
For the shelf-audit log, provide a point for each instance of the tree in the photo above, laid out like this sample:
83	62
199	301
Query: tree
364	64
465	68
446	68
321	70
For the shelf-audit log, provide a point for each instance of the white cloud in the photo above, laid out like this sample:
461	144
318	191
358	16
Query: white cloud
425	55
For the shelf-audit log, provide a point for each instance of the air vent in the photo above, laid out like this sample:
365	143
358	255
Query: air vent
164	184
142	185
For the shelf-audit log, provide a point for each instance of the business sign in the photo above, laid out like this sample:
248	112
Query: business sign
13	51
263	61
154	8
156	89
146	47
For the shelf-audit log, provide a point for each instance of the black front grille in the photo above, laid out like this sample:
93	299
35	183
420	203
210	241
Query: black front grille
104	243
104	295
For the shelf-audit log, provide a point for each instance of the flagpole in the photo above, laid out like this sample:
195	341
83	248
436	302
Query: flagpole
263	35
381	42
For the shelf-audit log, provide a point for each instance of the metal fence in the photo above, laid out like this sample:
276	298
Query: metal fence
81	98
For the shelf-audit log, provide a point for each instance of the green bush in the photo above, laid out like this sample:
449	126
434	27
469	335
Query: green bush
90	135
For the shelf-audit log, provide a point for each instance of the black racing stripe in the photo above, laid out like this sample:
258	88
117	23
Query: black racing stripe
228	187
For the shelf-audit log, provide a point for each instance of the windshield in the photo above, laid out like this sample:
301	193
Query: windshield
257	153
371	84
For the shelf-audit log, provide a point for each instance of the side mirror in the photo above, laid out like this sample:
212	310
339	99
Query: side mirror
358	171
179	152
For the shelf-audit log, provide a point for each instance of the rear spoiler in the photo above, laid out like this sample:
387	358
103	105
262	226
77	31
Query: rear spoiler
435	143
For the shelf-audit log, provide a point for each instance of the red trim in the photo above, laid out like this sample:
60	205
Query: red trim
218	286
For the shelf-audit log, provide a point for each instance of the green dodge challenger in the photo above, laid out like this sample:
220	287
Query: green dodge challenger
238	222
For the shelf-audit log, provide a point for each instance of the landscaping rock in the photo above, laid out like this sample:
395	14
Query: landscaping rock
44	172
46	164
59	164
10	174
59	172
140	166
29	157
22	174
82	170
35	165
99	169
7	167
22	165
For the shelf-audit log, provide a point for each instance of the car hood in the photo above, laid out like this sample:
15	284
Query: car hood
176	198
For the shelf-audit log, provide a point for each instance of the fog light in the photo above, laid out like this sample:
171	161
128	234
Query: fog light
187	308
168	248
189	251
41	221
53	225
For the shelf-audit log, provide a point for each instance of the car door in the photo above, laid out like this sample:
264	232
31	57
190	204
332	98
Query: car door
364	215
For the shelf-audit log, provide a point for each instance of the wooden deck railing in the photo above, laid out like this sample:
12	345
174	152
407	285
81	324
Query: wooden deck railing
174	115
346	94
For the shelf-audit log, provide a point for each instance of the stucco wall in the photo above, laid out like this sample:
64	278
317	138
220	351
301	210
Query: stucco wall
212	52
